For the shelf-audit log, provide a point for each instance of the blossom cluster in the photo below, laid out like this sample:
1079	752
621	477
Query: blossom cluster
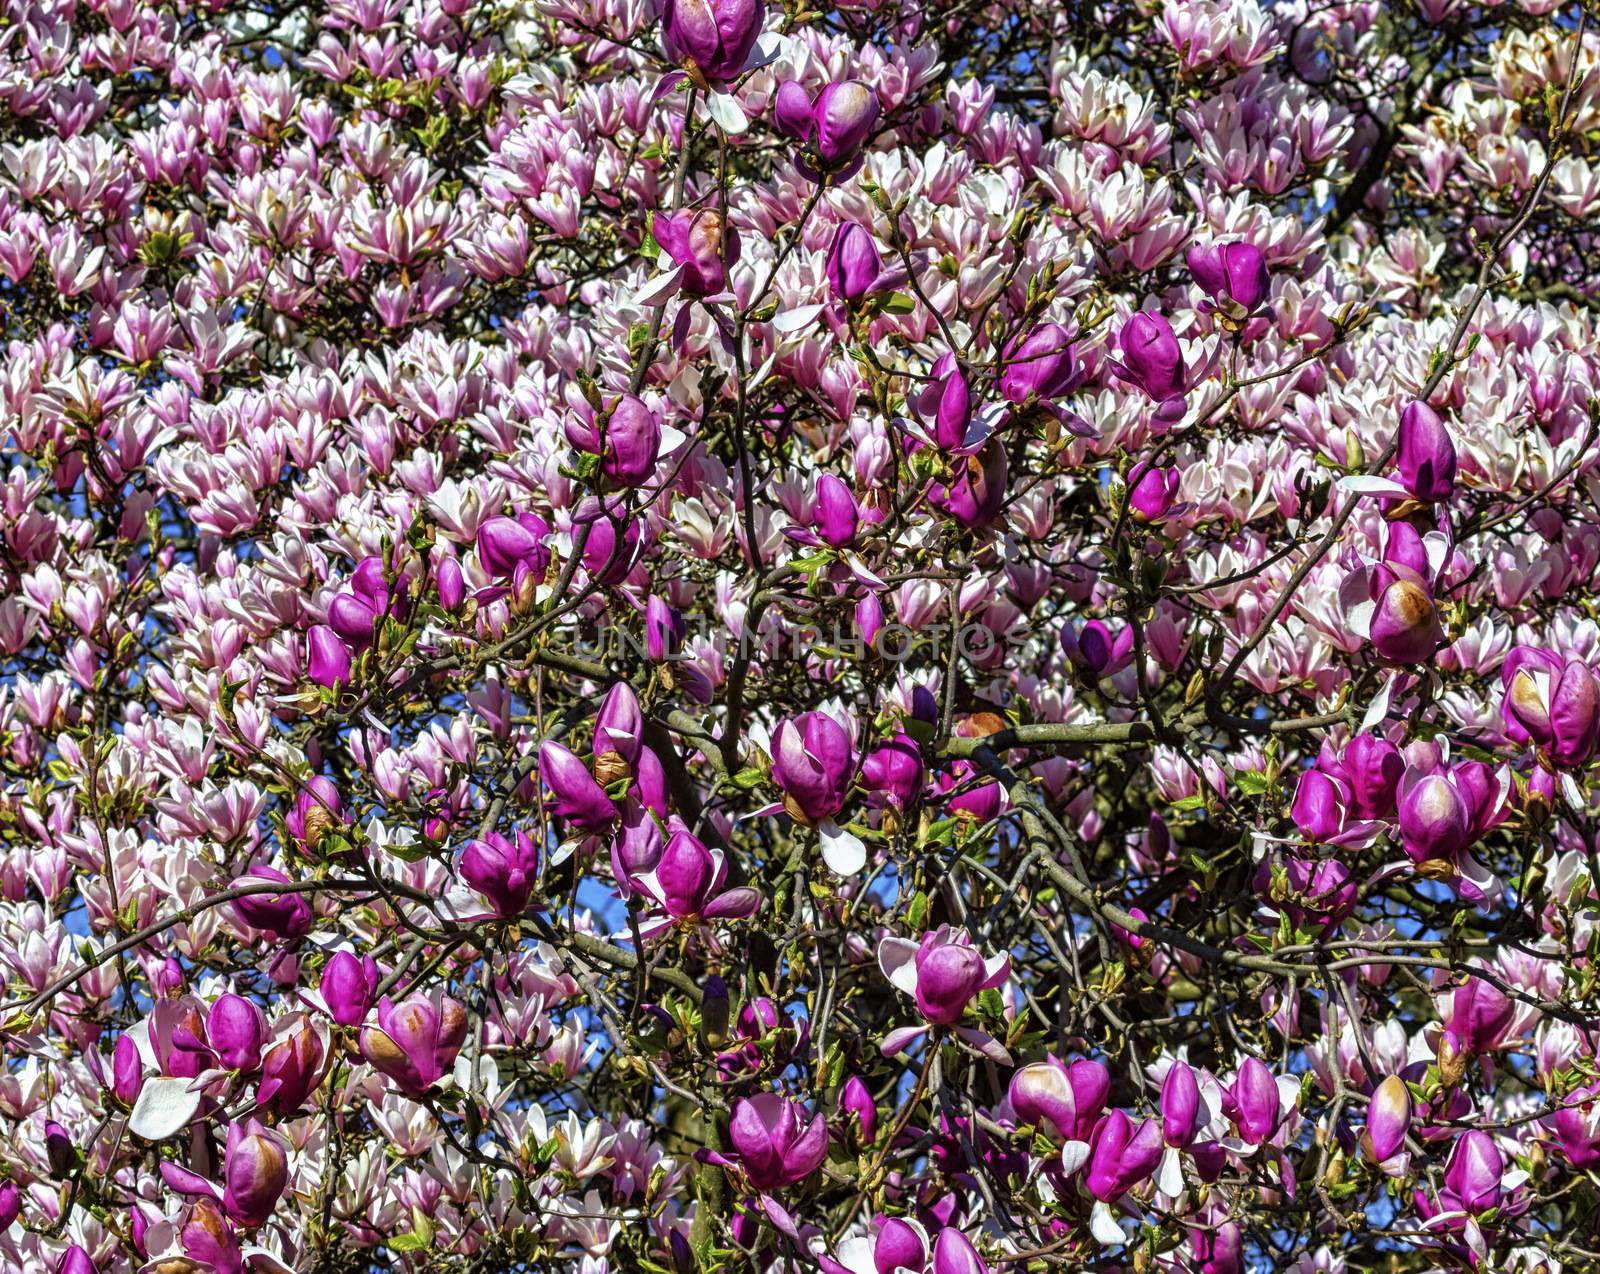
436	833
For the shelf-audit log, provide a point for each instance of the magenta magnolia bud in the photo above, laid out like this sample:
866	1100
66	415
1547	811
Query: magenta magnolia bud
628	440
1153	360
348	986
611	540
208	1238
855	1099
1121	1154
1180	1105
1435	822
235	1030
1473	1171
290	1070
317	808
416	1041
1480	1015
1253	1102
1043	1091
844	115
1218	1252
281	916
945	402
813	762
853	263
1372	768
504	544
127	1071
578	798
1092	649
893	771
792	111
870	620
978	494
702	245
1425	454
777	1143
1319	805
76	1261
1151	492
1091	1086
837	514
1405	626
1232	273
713	37
452	585
663	629
10	1205
327	657
502	871
58	1149
354	620
1405	547
1575	1126
256	1170
902	1244
1044	365
1552	704
618	732
1388	1119
953	1253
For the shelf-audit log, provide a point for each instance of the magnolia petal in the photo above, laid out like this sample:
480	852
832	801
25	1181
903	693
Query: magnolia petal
900	1039
1370	484
1378	709
1103	1225
1074	1154
1169	1176
729	115
897	957
779	1217
797	319
843	851
660	289
986	1044
165	1104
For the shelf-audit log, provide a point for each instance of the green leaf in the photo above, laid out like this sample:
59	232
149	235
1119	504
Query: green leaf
407	1243
918	911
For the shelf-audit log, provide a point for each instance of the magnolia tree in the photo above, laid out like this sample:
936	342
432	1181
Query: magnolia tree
892	636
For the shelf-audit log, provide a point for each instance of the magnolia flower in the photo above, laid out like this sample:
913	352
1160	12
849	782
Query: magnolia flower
838	121
687	882
1067	1096
1042	365
1388	1120
1425	454
279	915
942	973
503	871
1152	360
712	37
1552	703
853	263
1233	275
348	986
578	798
775	1141
416	1041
